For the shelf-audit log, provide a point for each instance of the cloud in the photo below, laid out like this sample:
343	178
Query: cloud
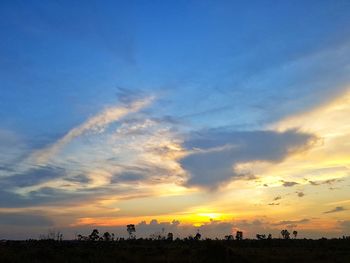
12	150
129	176
132	158
289	184
214	153
95	124
335	210
329	182
300	194
98	154
327	161
292	222
44	195
277	198
33	176
314	183
25	219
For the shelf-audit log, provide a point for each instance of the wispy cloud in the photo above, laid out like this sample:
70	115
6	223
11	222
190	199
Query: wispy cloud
335	210
137	154
277	198
329	181
95	124
289	184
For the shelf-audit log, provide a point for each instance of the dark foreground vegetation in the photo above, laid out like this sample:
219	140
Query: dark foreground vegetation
273	250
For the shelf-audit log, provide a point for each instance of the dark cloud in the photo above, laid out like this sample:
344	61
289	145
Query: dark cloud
10	199
33	176
215	152
128	177
335	210
300	194
328	182
81	178
12	150
6	168
277	198
273	203
45	195
314	183
289	184
24	219
145	172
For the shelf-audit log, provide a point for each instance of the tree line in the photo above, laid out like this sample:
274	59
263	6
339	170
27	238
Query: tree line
131	230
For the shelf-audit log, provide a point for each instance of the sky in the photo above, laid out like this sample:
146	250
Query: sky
175	116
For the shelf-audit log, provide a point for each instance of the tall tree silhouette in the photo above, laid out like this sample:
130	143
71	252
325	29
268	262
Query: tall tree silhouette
197	236
94	235
295	233
131	231
285	234
260	237
239	235
170	237
107	236
229	237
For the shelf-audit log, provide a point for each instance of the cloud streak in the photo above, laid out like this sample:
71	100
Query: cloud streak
95	124
335	210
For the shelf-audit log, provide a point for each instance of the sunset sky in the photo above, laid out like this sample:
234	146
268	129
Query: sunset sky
214	116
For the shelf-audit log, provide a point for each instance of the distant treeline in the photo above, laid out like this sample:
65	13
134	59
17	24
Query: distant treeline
131	230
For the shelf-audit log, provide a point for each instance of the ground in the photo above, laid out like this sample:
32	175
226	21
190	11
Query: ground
276	250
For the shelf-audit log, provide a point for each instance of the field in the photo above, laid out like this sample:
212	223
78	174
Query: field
275	250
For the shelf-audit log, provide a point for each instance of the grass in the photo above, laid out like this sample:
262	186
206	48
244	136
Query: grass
275	250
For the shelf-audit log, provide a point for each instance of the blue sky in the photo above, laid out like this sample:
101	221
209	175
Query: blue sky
70	59
230	73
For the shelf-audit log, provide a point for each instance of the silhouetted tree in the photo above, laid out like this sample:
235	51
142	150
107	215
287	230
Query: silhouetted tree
269	236
197	236
285	234
239	235
94	235
260	237
170	237
229	237
59	236
295	233
52	234
82	238
156	236
107	236
131	231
